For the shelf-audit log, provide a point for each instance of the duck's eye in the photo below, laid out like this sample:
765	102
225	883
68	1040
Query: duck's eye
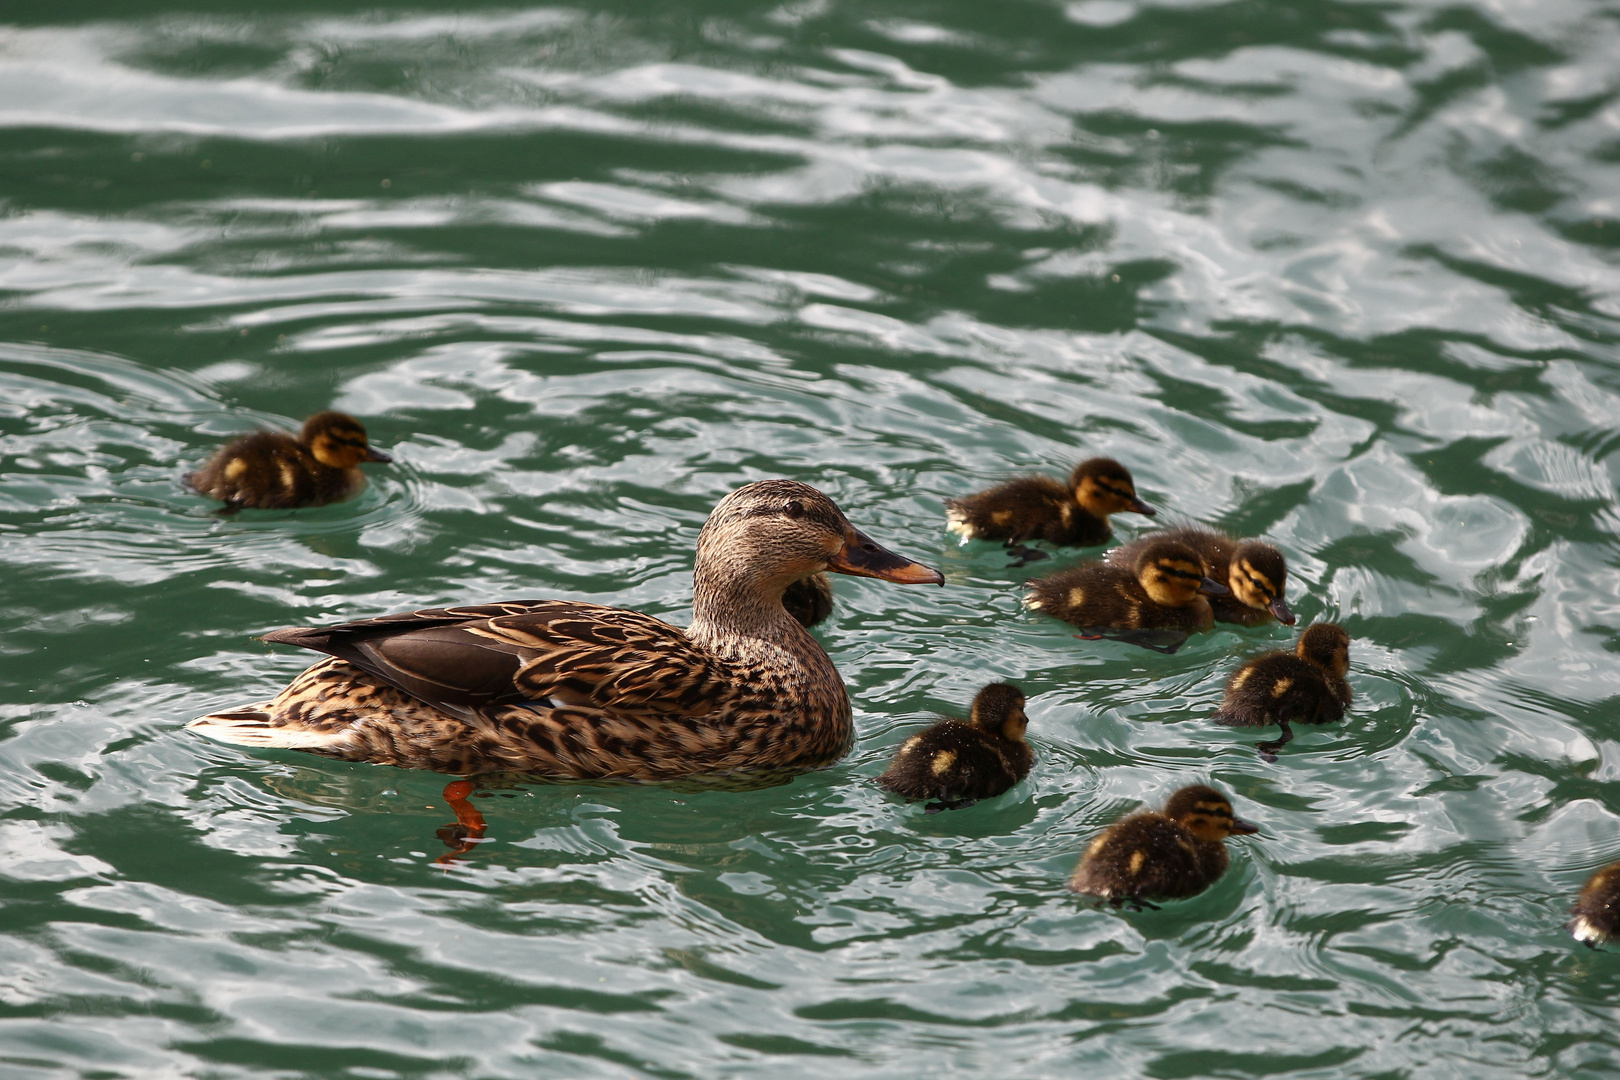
794	509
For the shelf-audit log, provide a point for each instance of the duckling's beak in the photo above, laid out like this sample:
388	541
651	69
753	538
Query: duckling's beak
1279	608
1210	587
864	557
1243	828
374	454
1142	508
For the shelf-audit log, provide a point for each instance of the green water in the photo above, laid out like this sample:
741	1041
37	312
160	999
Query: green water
1342	274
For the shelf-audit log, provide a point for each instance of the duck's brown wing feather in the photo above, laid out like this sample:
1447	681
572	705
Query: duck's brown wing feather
464	658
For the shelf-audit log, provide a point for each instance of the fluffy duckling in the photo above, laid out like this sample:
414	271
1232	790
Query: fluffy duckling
809	600
1150	856
1040	508
1255	571
1597	909
272	470
1156	604
958	764
1307	685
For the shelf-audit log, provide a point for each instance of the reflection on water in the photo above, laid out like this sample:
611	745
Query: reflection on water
1335	274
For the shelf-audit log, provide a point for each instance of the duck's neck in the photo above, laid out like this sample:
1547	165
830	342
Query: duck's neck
729	607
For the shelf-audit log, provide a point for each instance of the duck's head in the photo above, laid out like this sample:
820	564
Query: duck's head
337	441
772	533
998	709
1327	646
1257	575
1173	574
1206	813
1103	486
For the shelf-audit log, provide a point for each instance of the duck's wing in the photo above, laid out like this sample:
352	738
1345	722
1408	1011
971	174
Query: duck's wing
545	652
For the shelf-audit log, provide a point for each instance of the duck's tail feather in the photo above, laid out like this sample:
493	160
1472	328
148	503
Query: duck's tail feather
252	727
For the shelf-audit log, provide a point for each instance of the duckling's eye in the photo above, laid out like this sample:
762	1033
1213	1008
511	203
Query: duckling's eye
794	509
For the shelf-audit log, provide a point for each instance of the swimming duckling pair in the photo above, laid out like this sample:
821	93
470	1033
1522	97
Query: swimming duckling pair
1254	572
1161	856
272	470
1040	508
957	763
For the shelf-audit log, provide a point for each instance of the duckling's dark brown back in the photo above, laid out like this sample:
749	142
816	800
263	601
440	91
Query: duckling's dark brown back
1279	687
1027	508
959	763
1147	856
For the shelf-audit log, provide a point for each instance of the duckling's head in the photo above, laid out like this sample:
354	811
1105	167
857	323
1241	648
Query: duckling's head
998	709
1173	574
337	441
1103	486
1205	813
1258	574
1327	646
769	534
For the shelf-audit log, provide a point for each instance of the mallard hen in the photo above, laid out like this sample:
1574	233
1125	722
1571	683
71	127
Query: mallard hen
1255	571
272	470
958	764
566	689
1040	508
1151	856
1156	604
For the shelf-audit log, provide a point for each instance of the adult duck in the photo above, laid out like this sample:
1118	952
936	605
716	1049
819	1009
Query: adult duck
566	689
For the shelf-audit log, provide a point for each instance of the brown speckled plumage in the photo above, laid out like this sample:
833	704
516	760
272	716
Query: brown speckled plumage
1040	508
272	470
1596	911
558	688
1152	856
960	763
1254	570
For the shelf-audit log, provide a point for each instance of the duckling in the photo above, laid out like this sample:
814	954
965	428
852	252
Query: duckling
1307	685
959	764
1040	508
1597	909
1150	856
272	470
1156	605
1255	571
809	600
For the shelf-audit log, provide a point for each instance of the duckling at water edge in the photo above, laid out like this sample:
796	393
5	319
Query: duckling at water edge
1597	909
1150	856
958	764
1156	604
1307	685
1040	508
1255	571
272	470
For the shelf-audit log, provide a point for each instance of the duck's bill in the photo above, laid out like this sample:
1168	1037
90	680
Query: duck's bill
1210	587
1245	828
1279	608
374	454
862	556
1143	508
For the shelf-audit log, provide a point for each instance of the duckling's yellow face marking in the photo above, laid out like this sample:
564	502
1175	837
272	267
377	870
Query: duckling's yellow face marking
1250	586
235	469
340	446
1137	859
942	762
1282	687
1212	819
1106	494
1171	581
